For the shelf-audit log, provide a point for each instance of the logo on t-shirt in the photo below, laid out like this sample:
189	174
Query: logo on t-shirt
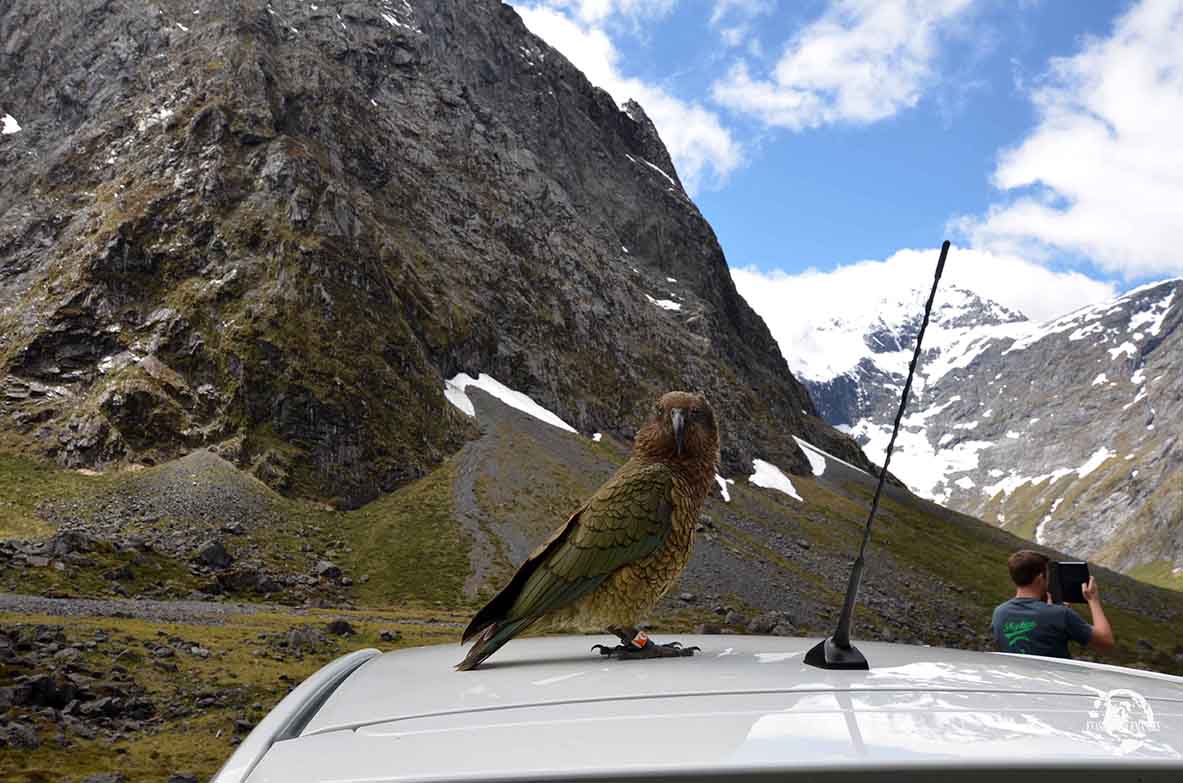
1017	631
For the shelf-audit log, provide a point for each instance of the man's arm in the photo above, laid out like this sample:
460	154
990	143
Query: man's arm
1102	638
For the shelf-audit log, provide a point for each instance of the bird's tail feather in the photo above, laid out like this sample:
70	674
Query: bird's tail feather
490	640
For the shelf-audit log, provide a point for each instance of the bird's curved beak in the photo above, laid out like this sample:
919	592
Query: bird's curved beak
678	419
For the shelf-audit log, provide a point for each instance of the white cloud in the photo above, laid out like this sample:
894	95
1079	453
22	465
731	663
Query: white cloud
1104	164
803	310
734	20
862	61
702	148
600	10
743	8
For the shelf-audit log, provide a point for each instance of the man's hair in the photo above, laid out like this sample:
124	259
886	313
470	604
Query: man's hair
1025	565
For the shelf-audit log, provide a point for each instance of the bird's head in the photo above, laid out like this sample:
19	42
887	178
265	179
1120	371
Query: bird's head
682	427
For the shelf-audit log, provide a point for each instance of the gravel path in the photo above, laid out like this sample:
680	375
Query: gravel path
210	612
200	612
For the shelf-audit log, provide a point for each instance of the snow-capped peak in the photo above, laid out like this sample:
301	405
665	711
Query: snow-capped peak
882	331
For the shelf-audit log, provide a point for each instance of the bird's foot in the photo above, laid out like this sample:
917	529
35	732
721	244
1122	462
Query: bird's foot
632	651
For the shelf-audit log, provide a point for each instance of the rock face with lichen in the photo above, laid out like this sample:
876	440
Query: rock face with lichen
274	229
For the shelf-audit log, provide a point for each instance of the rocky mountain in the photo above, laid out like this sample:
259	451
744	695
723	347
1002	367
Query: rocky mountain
1067	432
277	228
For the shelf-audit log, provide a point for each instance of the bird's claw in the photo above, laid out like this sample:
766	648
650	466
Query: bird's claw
649	650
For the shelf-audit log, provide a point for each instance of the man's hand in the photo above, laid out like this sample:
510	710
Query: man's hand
1091	594
1102	632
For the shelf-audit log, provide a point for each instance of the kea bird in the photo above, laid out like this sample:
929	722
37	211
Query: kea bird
621	550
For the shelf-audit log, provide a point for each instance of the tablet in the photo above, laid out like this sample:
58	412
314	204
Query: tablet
1065	580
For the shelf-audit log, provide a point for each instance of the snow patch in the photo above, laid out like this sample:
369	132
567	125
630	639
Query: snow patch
723	482
9	125
1013	435
1012	482
965	482
770	476
817	459
916	461
1153	317
918	419
1139	377
596	437
1039	528
1099	457
1127	348
654	167
1141	395
1085	331
665	304
804	445
454	391
153	118
1100	379
1046	518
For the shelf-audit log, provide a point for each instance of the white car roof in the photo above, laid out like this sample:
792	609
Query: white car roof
548	708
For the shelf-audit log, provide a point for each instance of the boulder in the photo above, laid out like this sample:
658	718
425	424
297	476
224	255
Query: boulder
18	735
340	627
305	638
67	542
765	623
213	554
327	569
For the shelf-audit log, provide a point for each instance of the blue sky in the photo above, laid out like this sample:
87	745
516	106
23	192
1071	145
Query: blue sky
1039	135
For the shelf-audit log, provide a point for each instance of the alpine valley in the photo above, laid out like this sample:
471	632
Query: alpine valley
1067	433
316	318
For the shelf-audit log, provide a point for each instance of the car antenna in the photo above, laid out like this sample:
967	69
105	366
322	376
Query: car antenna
837	652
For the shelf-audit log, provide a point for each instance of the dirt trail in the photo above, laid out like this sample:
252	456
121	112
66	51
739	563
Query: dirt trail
207	612
469	463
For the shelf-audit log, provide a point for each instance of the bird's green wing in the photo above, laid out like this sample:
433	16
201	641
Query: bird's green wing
627	519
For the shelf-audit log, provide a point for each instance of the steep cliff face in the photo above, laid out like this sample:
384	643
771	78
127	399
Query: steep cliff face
1066	433
278	227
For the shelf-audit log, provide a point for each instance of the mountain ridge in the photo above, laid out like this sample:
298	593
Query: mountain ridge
984	433
277	229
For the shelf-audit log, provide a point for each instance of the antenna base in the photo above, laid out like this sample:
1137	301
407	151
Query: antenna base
828	655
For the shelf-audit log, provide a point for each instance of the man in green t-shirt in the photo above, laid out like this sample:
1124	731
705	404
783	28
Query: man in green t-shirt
1030	623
